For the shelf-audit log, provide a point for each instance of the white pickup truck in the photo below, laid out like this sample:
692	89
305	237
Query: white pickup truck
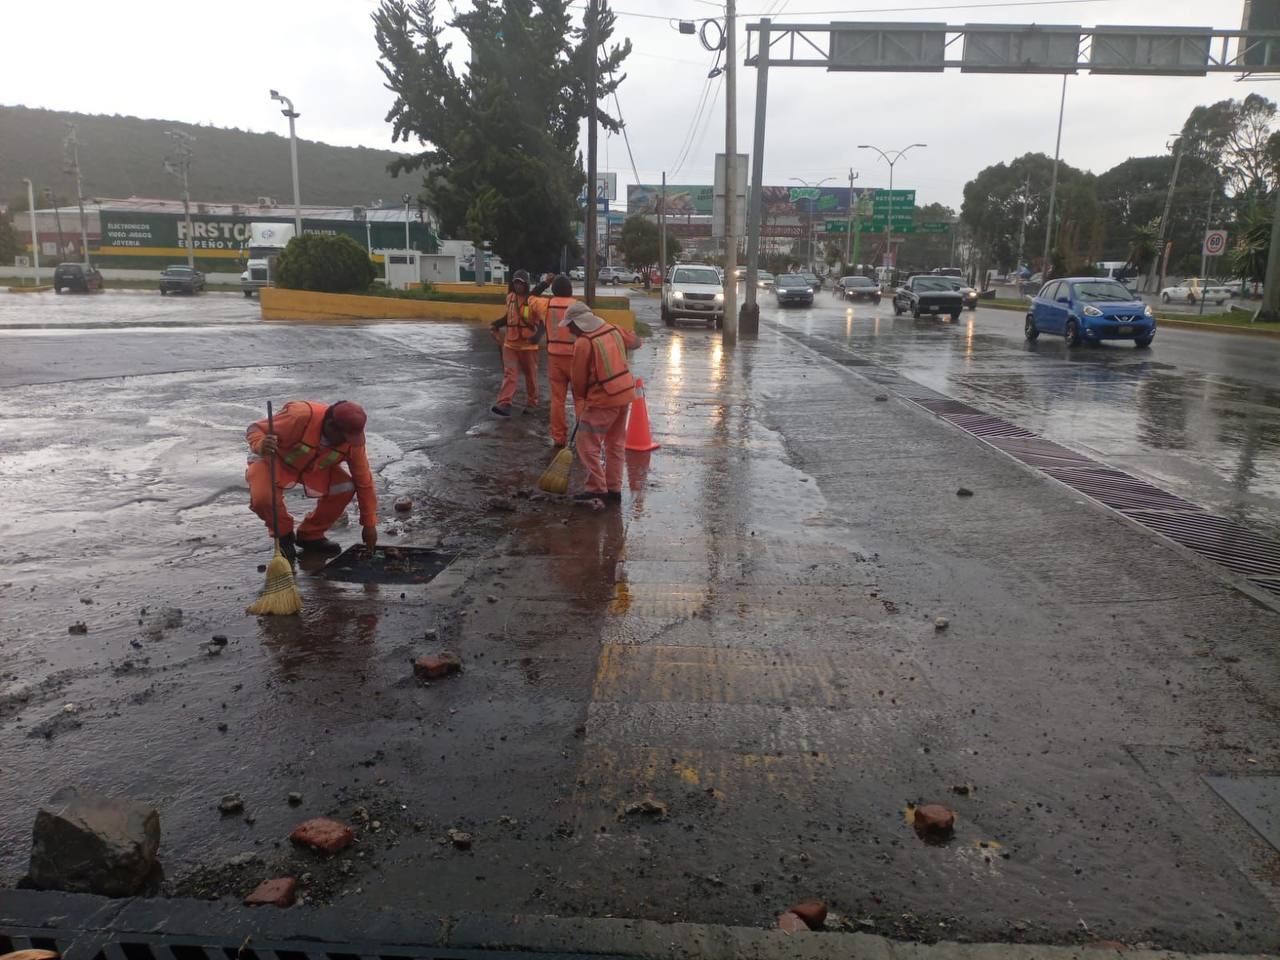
1193	290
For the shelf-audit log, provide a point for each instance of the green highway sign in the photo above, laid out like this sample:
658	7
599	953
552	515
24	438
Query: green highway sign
897	199
903	225
837	226
939	226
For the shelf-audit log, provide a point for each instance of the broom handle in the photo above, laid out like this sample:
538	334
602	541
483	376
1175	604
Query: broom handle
271	465
573	436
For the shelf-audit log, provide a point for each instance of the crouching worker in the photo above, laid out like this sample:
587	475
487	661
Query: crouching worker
310	442
603	389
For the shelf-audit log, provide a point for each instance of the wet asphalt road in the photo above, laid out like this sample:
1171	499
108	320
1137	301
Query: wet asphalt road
749	639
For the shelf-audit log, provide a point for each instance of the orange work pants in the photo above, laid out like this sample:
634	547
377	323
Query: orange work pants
514	364
318	521
558	370
602	434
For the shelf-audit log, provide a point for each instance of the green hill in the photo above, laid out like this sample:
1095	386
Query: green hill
124	156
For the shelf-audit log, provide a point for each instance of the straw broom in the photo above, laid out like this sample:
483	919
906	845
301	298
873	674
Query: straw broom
280	596
555	479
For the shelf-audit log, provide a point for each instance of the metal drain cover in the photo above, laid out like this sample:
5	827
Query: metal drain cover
1256	799
389	565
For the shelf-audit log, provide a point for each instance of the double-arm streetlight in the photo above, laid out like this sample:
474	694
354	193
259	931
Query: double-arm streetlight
293	115
891	158
812	200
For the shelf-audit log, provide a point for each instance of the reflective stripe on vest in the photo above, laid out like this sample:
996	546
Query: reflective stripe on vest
559	339
609	352
520	325
297	456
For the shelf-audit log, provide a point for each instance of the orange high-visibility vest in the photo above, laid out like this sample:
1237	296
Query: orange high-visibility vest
559	339
522	323
609	361
310	459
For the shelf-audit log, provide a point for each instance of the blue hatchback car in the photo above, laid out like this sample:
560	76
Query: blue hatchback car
1089	308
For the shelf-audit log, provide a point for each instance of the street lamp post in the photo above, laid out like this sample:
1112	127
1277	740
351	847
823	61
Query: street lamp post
35	237
406	198
812	201
888	222
293	115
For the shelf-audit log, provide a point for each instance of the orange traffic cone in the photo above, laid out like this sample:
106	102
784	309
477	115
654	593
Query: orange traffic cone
638	436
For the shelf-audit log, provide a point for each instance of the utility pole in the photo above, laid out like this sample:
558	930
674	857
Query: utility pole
71	151
730	176
1269	312
750	317
848	238
662	232
182	152
35	237
1053	184
589	293
57	216
405	199
293	115
1158	263
1022	226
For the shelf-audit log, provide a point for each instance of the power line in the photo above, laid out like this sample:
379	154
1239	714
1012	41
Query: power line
625	139
1000	4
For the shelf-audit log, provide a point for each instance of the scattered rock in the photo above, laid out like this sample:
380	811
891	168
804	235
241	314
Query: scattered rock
435	667
220	639
964	492
460	839
491	598
85	842
241	860
501	504
231	803
262	568
646	807
279	892
323	835
222	727
431	634
812	912
213	649
295	799
941	623
404	505
934	820
87	601
78	627
963	789
790	923
881	397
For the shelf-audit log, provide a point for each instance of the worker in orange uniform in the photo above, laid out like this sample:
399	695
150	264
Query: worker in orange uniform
310	441
525	325
559	356
603	389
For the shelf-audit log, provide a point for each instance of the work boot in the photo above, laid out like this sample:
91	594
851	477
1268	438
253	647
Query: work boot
498	411
288	549
590	495
320	545
613	496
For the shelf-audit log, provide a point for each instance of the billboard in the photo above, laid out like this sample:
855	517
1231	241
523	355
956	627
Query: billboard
790	201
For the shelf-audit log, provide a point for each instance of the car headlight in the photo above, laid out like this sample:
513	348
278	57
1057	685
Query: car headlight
1147	311
719	298
677	295
1091	311
808	289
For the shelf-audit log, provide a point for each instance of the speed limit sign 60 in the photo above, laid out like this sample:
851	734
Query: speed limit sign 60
1215	242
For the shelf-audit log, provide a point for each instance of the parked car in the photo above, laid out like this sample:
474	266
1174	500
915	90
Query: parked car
968	294
181	280
923	294
693	291
858	288
793	288
1090	308
578	273
76	276
1193	289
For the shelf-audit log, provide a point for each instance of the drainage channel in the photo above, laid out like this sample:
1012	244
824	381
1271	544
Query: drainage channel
117	945
1246	554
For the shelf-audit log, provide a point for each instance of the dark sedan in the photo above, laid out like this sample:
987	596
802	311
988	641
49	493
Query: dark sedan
926	294
793	288
76	276
181	280
858	288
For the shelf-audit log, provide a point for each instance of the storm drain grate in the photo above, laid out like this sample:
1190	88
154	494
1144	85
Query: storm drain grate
942	406
116	945
1218	538
985	425
1120	491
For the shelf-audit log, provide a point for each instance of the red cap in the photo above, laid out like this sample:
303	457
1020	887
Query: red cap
350	419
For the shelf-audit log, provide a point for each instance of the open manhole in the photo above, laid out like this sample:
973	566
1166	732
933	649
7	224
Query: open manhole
1255	798
389	565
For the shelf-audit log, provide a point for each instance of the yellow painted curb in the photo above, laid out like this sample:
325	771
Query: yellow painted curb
305	306
30	289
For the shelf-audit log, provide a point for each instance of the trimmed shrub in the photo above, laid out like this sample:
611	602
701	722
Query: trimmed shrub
326	263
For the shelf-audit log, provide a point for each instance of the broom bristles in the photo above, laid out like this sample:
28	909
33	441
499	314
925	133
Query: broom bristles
555	479
280	596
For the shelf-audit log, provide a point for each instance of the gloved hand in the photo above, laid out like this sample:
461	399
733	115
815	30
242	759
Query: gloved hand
370	535
270	444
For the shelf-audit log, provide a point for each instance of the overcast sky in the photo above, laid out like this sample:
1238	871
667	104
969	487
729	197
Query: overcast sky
215	64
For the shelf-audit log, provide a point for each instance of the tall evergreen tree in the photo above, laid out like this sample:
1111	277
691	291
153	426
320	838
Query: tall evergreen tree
506	129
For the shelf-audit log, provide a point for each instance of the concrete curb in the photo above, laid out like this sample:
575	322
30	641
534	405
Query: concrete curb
228	924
